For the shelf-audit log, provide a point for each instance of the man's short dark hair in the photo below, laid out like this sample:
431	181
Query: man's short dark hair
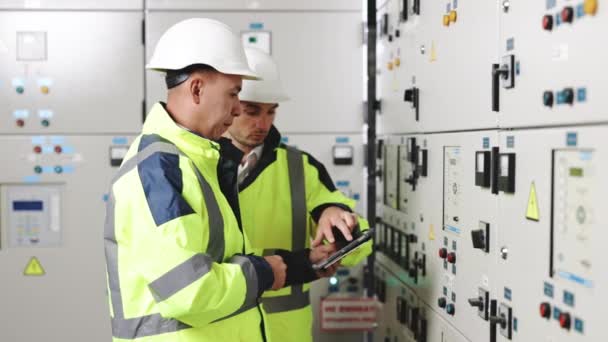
173	78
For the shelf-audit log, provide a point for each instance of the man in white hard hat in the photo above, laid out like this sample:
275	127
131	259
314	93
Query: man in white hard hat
286	198
176	258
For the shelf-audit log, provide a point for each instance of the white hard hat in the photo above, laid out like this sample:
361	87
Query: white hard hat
270	88
201	41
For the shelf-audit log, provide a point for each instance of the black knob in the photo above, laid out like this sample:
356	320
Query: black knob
476	302
397	33
479	239
548	98
390	37
442	302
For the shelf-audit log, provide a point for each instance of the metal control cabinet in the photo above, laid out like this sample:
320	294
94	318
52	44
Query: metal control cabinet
52	209
510	126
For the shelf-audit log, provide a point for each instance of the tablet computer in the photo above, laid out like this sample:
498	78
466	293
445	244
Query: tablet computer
344	251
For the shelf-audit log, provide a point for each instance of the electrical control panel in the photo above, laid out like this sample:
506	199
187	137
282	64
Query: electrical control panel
501	99
34	215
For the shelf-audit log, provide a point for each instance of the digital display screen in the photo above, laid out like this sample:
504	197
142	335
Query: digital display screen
576	172
27	206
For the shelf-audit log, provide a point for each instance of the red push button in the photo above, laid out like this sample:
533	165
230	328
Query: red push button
545	310
443	253
548	22
58	149
20	123
567	14
452	258
564	320
37	149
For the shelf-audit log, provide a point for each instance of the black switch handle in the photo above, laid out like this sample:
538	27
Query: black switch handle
404	13
497	72
501	320
476	302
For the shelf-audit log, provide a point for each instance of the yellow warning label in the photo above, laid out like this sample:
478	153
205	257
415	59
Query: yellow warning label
532	211
433	56
431	232
33	268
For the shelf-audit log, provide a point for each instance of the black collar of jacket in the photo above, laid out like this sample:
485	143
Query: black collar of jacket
230	158
269	155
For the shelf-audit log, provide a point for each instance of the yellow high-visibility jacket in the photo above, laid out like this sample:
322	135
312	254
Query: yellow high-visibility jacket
174	249
280	201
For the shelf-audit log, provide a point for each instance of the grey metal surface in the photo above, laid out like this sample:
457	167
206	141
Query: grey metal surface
254	5
72	5
90	65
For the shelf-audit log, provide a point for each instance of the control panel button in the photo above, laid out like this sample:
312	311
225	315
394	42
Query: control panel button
548	22
20	123
44	89
545	310
564	320
451	257
442	302
568	95
58	149
37	149
443	253
450	309
548	98
45	123
453	16
590	7
567	14
20	89
446	20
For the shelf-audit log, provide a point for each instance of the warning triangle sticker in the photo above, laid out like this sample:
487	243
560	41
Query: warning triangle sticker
532	211
431	232
433	56
34	268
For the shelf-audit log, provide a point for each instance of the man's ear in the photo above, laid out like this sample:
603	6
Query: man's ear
196	87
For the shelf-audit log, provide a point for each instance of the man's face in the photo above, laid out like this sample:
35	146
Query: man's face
251	128
219	103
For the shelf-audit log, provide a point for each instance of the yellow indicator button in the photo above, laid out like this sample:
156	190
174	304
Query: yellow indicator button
590	7
390	66
397	62
446	20
44	89
453	16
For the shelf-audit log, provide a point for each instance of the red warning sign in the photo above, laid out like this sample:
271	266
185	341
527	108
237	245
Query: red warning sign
348	314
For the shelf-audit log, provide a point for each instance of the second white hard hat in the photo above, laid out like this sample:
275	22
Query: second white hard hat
201	41
269	89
